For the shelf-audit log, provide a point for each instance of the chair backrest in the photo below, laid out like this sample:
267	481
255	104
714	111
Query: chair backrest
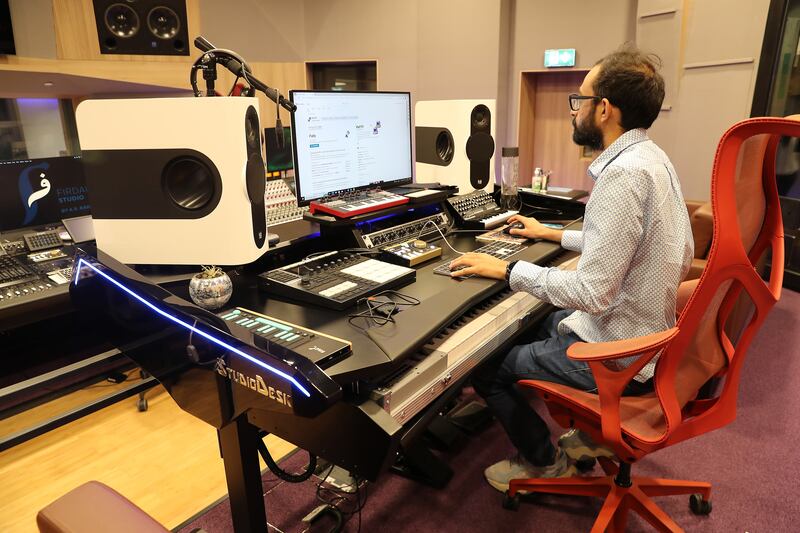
747	221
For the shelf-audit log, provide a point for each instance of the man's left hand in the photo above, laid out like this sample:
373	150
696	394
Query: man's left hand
479	265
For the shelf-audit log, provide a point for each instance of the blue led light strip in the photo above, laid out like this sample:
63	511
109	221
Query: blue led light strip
180	322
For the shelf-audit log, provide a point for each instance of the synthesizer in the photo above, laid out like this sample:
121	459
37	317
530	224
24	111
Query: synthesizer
336	280
276	335
357	203
478	210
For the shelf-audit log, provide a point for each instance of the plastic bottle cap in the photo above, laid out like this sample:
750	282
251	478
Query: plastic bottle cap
510	151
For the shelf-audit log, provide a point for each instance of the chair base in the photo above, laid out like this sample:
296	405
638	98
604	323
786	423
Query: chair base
619	500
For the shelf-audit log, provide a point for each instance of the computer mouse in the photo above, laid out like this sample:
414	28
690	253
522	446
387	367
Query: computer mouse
515	225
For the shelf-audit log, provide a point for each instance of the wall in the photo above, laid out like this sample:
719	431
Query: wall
40	119
33	28
592	28
711	55
259	30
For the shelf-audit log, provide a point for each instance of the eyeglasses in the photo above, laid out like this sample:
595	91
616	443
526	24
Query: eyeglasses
575	100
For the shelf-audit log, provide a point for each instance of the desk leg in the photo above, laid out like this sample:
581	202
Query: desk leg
237	442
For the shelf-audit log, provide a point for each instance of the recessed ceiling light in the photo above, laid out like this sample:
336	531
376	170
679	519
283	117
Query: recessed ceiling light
48	84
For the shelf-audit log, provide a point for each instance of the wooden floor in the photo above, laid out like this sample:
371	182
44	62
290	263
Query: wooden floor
164	460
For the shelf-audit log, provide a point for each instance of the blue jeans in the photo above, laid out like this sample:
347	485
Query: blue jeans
544	359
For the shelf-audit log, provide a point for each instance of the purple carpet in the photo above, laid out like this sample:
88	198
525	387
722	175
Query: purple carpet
750	464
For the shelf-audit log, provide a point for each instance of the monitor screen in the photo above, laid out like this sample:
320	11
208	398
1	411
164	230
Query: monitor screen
34	192
6	30
345	141
278	158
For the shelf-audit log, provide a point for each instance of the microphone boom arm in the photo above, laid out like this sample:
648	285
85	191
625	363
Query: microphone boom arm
239	67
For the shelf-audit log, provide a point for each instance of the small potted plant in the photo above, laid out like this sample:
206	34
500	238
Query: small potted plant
211	288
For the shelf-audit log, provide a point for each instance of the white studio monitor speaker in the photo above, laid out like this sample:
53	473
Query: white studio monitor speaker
175	180
455	142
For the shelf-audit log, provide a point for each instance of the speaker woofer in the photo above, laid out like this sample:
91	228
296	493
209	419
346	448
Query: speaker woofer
188	182
121	20
163	22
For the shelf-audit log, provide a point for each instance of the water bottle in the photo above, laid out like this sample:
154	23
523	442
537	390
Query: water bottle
508	187
536	180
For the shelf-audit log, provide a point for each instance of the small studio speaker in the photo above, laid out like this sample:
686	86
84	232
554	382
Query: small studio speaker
175	180
151	27
455	142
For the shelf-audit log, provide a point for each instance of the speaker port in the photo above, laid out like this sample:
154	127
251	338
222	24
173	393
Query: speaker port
163	22
444	146
121	20
188	183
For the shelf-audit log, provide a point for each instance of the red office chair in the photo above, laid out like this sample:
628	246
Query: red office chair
747	221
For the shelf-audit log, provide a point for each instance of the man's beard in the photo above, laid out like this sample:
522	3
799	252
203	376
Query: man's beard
587	134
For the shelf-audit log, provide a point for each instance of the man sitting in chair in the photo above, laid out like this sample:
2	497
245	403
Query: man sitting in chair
636	246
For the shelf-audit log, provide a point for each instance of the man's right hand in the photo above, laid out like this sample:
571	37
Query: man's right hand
534	229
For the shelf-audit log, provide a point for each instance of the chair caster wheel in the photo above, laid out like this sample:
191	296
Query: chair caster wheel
142	405
511	502
586	465
698	505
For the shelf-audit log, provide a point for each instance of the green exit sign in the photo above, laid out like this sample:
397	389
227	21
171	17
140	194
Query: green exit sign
563	57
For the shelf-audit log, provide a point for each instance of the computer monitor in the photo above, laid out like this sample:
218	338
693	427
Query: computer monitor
278	158
36	192
346	141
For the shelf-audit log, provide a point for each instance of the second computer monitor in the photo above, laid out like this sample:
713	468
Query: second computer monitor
278	157
345	141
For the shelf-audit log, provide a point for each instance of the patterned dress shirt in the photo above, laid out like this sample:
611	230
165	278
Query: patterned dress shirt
636	246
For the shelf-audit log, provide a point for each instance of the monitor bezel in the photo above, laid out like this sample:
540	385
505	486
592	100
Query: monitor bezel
383	184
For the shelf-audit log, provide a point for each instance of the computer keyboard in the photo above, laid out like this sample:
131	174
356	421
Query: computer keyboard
501	250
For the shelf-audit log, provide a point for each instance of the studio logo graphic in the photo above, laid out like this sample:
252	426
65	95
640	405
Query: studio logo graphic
28	195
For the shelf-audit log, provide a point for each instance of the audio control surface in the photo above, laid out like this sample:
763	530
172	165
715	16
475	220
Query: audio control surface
336	280
274	334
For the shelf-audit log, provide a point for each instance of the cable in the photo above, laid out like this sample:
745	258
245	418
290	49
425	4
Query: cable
281	473
444	238
381	312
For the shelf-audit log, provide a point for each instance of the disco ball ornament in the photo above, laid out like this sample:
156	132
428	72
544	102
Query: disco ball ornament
211	288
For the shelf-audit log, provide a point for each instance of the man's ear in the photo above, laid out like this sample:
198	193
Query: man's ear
609	113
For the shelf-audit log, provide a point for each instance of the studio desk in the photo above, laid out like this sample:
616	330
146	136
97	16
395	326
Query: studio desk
361	412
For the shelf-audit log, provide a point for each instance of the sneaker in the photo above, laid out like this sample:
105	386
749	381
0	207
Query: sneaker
500	474
580	447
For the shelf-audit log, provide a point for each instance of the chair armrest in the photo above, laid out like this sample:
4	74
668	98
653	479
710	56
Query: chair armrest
601	351
611	382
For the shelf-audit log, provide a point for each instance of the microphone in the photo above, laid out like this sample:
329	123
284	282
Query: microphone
230	61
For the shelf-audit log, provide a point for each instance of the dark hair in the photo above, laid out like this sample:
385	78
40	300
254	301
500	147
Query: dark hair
629	79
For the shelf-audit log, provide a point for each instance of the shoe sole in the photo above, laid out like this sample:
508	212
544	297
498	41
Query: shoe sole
584	453
503	487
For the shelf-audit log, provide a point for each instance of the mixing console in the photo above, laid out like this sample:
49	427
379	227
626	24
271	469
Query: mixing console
281	203
335	279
